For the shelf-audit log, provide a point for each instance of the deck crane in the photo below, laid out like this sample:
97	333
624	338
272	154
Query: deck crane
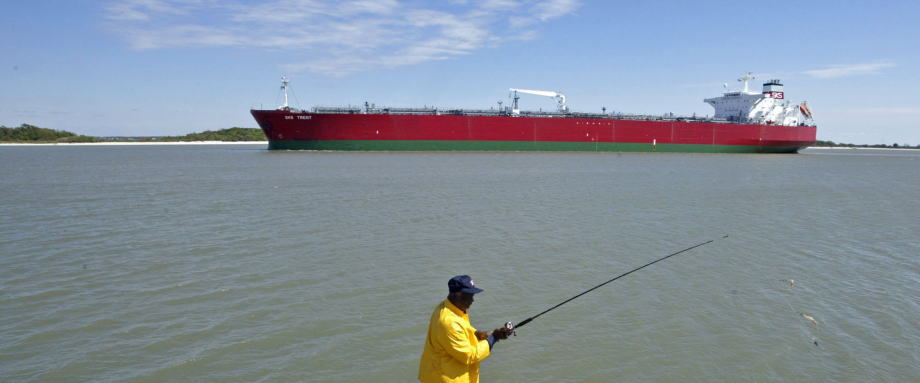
560	98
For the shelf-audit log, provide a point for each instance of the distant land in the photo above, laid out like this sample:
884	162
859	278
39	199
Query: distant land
26	133
832	144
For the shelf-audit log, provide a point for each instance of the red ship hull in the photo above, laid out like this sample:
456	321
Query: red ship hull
346	131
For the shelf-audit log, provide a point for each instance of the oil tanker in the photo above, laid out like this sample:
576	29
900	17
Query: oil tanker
744	122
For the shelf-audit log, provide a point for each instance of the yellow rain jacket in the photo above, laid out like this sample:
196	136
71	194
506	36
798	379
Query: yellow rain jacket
452	352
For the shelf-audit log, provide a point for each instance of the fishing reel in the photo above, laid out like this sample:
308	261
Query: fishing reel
510	327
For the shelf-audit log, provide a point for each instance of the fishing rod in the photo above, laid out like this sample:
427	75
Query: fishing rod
511	326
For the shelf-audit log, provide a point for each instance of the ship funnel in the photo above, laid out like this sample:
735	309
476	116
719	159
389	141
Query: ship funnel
773	89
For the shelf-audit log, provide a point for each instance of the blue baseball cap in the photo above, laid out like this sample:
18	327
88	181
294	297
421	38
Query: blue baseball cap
463	284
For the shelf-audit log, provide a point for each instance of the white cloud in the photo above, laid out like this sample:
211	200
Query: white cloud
369	6
555	8
183	36
540	11
889	111
140	9
499	4
835	71
333	37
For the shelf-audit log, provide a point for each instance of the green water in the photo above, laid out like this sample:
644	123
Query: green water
239	264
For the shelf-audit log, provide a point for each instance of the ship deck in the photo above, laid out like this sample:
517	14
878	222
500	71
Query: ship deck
425	111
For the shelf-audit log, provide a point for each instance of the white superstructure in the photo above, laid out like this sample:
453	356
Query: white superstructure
767	107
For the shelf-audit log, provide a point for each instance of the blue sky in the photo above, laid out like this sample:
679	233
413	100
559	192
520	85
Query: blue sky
169	67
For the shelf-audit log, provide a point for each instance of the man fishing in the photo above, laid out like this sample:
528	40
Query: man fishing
453	348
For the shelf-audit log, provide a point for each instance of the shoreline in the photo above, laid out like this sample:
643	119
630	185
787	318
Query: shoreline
847	147
135	143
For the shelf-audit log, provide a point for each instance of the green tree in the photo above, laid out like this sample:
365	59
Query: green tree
230	134
32	133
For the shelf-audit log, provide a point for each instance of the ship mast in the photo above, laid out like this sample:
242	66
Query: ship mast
744	79
284	83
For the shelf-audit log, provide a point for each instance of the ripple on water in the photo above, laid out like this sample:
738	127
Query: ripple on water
173	264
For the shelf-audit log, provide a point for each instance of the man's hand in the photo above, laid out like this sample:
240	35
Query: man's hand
501	333
482	335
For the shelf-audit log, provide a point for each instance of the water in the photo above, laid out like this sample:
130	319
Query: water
236	264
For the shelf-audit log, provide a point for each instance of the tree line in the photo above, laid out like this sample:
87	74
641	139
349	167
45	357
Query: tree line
32	133
833	144
26	133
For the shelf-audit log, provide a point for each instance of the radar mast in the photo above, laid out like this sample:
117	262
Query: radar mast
744	79
284	84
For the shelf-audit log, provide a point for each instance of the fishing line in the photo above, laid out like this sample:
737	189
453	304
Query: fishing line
804	329
802	315
520	324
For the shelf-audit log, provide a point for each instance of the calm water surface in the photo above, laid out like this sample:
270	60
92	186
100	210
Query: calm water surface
236	264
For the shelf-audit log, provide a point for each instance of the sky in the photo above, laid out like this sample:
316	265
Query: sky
172	67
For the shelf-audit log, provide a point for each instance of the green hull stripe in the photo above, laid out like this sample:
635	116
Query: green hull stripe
519	146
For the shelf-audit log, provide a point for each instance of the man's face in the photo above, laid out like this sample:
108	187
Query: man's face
464	301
